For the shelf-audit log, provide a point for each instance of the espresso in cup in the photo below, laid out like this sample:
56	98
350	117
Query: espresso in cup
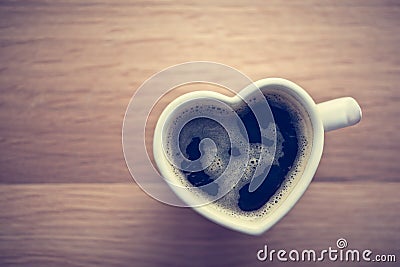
292	130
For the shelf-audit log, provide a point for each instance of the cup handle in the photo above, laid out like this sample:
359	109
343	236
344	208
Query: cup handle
339	113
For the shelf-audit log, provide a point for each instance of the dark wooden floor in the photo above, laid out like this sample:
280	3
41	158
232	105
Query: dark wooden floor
68	71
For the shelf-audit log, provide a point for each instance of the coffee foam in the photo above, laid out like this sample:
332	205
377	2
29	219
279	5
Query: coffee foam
228	204
206	127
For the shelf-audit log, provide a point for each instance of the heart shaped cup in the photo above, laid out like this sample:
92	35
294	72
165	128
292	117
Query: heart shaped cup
326	116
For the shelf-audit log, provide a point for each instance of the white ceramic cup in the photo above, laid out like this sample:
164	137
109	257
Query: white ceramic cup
326	116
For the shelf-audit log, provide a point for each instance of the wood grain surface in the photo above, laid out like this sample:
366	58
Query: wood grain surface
69	68
111	225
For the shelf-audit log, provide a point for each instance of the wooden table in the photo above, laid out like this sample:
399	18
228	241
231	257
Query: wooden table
69	69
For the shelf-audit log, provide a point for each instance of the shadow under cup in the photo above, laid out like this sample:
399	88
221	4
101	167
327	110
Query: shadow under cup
290	152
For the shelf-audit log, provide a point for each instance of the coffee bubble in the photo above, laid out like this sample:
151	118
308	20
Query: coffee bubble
239	152
197	144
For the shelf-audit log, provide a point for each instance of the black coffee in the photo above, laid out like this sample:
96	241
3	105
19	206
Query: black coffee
291	147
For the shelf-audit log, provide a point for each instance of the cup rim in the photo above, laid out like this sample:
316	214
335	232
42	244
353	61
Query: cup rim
254	228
